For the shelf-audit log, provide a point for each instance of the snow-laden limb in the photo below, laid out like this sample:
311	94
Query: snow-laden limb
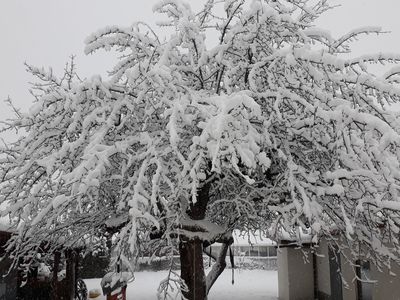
392	72
271	128
171	287
204	230
353	34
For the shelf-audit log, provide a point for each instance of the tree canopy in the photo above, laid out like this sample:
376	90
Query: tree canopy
268	126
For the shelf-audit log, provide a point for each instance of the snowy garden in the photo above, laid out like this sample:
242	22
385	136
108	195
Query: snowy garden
241	117
249	284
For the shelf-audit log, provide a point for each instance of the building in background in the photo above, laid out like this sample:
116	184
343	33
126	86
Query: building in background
251	251
322	272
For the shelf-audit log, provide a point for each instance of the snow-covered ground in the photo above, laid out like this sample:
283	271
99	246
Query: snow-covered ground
249	284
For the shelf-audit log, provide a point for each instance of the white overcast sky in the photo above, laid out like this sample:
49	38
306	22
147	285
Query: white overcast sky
46	32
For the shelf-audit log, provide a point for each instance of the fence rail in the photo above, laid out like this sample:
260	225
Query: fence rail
241	262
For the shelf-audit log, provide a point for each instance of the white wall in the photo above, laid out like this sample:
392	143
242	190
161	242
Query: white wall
295	274
322	265
349	284
387	286
283	274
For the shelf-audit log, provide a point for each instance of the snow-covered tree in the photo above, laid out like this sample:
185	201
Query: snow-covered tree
250	119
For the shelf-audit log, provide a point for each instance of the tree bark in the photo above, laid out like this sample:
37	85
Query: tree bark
218	267
70	275
192	269
191	252
54	281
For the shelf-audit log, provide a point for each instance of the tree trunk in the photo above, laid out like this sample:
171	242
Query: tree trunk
70	275
54	280
191	252
192	269
218	267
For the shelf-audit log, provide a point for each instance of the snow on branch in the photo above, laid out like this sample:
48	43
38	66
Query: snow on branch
353	34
